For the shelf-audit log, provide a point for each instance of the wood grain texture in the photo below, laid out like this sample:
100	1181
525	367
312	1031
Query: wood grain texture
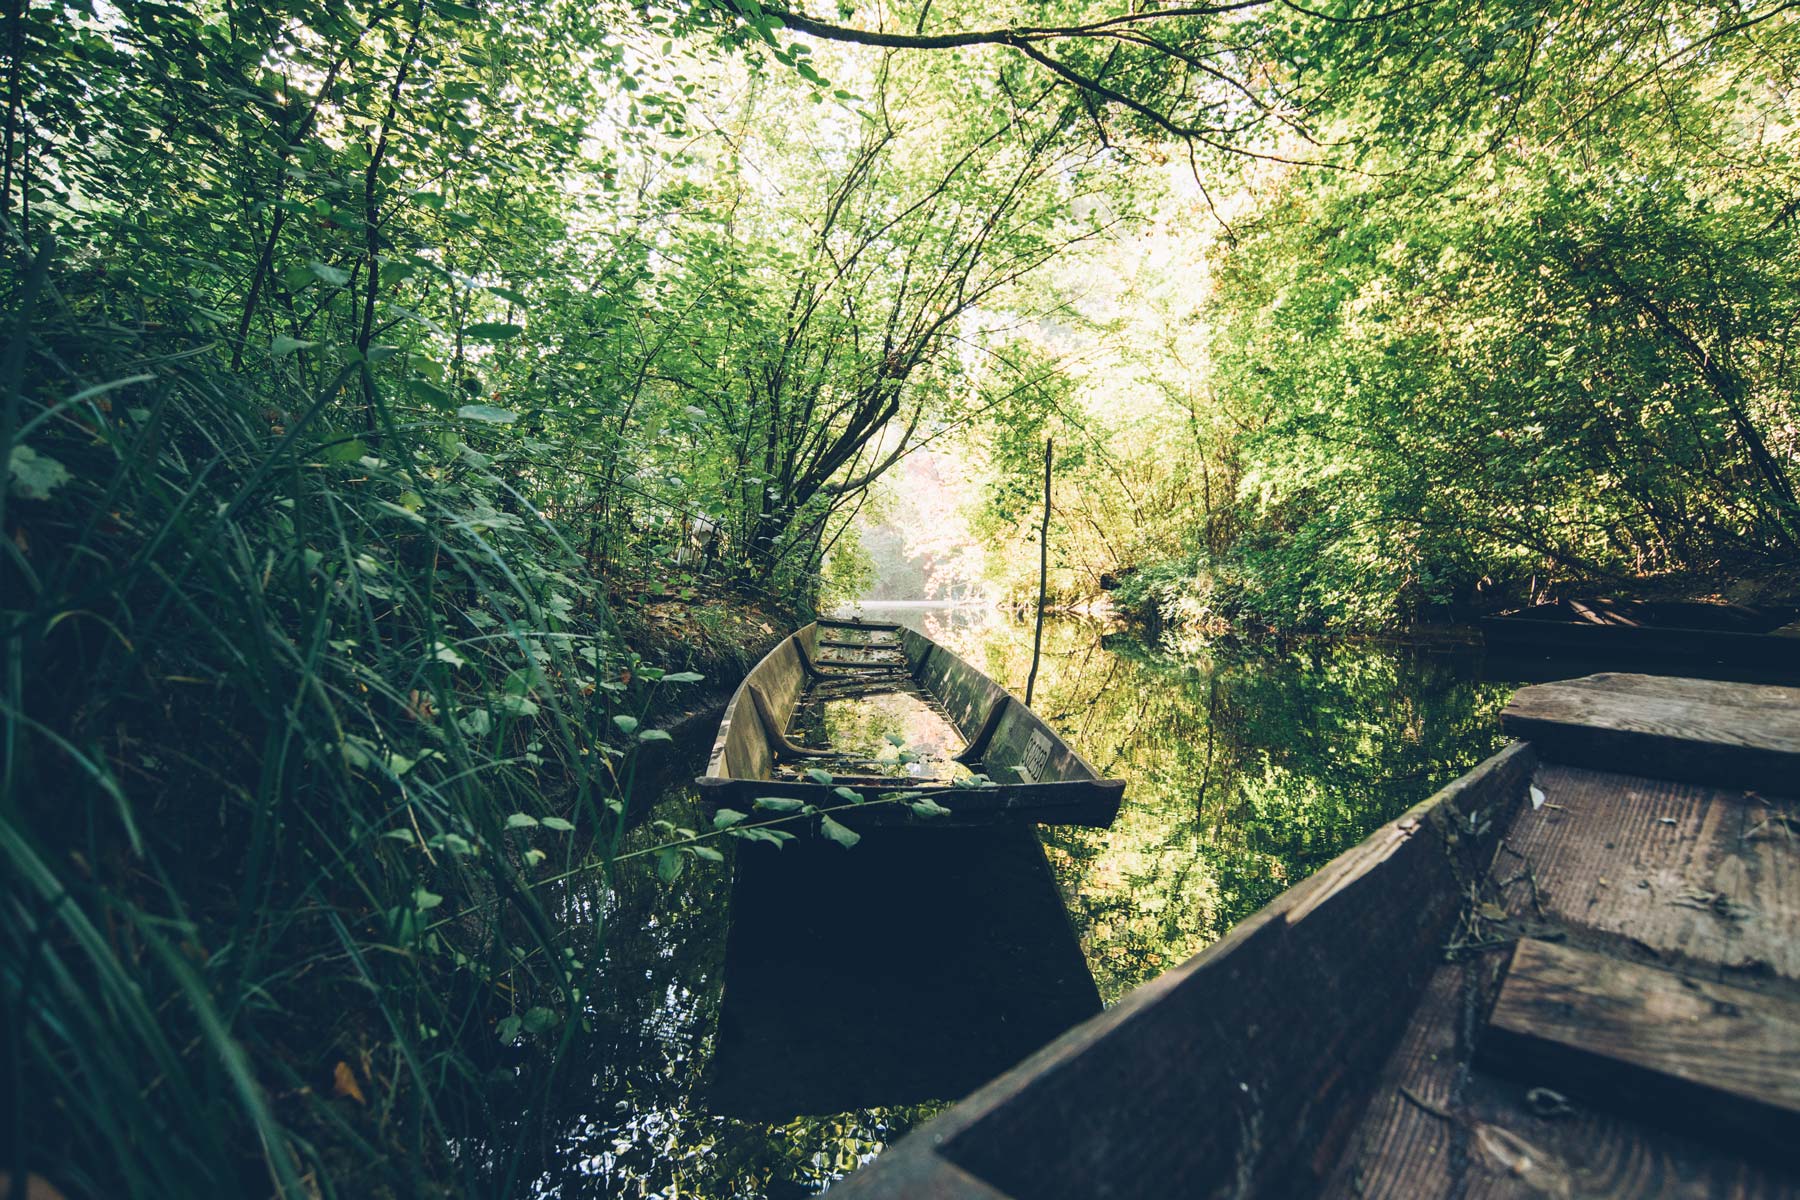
1439	1127
1727	734
1678	1050
1707	879
1245	1070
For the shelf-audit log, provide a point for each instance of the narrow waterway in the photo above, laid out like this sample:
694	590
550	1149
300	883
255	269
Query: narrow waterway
762	1042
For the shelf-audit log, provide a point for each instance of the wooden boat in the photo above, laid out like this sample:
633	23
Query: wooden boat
1574	972
981	755
1722	641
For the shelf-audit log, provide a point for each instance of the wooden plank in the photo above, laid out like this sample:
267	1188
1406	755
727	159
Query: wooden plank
1728	734
1089	802
1678	1050
1704	878
1439	1129
1243	1071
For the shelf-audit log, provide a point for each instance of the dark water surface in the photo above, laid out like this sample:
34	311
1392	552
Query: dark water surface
765	1025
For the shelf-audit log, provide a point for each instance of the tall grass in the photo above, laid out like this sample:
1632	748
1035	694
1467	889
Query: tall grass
299	700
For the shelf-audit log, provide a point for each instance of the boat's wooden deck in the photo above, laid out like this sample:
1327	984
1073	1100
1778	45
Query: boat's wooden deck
1654	998
865	673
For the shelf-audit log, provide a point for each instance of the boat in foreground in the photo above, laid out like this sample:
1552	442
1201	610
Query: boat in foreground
1573	972
883	713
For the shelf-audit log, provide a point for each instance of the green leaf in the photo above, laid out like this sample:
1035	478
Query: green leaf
34	476
402	835
927	807
285	345
840	834
779	804
425	901
626	723
534	856
521	820
655	735
683	677
508	1029
492	331
430	393
818	776
488	413
724	818
540	1020
328	275
708	853
558	824
668	865
849	794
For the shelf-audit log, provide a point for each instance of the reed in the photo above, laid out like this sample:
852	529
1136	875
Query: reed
281	689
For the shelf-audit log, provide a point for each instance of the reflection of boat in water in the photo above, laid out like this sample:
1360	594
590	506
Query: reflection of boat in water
1576	637
899	713
908	968
1573	972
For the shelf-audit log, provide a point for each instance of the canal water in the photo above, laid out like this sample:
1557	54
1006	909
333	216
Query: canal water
766	1024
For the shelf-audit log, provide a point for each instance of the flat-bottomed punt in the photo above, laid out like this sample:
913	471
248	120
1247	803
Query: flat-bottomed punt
1715	641
897	714
1575	972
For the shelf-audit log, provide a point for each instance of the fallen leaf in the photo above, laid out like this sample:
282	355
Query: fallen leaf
1537	797
343	1083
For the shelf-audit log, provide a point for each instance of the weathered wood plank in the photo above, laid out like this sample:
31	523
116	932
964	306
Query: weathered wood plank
1439	1128
1677	1050
1726	734
1704	878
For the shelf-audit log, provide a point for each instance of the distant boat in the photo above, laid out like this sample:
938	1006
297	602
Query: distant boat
926	731
1722	641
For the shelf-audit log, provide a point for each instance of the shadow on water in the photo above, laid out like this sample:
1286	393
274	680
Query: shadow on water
913	967
865	988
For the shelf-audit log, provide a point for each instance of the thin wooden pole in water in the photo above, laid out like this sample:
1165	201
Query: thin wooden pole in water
1037	637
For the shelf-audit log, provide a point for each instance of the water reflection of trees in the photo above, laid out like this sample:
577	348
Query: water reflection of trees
1248	770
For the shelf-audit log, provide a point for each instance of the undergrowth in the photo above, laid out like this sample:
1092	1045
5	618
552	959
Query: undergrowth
301	696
